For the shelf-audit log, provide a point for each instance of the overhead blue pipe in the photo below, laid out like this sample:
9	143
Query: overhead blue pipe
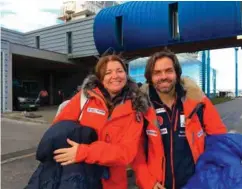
236	71
208	73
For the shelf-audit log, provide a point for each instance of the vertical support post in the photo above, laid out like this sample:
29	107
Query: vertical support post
127	66
51	89
236	71
2	74
203	70
214	83
208	73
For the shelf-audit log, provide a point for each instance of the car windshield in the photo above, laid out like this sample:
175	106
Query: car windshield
20	92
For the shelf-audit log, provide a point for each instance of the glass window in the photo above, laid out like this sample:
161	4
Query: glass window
37	42
69	42
174	20
119	30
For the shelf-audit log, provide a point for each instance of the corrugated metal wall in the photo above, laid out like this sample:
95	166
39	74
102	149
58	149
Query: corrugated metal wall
54	38
12	36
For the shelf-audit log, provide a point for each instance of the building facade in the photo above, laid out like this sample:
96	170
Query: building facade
56	57
60	56
52	58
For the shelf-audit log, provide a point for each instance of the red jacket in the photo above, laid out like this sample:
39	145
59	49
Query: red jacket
119	133
146	173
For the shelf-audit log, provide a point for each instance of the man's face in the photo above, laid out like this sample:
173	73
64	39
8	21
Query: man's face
164	75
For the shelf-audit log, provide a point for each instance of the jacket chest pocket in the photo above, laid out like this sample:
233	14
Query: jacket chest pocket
93	119
114	132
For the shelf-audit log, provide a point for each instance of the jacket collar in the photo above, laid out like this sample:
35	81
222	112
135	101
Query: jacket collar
139	101
189	92
187	89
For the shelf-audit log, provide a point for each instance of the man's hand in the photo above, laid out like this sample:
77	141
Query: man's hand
158	186
67	156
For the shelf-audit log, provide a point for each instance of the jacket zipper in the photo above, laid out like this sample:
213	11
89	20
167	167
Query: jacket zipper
172	165
171	144
163	170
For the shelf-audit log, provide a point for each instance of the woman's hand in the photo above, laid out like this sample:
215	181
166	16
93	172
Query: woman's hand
158	186
67	156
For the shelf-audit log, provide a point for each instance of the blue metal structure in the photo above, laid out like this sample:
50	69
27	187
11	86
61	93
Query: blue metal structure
203	70
208	73
236	72
141	24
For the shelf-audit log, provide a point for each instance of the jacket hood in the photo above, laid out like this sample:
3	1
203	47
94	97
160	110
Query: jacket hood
191	89
139	99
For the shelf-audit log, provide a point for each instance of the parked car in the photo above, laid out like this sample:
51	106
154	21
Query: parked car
25	101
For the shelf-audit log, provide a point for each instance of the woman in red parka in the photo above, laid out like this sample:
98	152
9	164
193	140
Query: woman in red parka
114	109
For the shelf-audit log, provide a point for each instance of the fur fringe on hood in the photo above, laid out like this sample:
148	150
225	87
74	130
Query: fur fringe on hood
139	100
192	90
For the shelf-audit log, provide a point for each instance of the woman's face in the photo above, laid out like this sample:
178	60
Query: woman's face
115	78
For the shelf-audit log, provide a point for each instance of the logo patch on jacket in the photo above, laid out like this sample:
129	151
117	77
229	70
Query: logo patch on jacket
160	110
96	111
151	132
182	121
163	131
200	133
160	120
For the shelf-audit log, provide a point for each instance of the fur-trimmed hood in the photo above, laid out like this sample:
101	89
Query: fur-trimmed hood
191	89
139	99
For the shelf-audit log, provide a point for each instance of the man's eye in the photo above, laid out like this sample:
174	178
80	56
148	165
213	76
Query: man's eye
169	71
156	73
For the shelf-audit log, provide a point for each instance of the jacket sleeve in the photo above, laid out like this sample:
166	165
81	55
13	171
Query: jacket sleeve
212	120
108	154
143	177
70	111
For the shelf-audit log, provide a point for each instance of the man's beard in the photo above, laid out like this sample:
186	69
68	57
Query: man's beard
166	90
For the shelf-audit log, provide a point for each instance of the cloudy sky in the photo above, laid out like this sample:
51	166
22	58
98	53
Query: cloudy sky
27	15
